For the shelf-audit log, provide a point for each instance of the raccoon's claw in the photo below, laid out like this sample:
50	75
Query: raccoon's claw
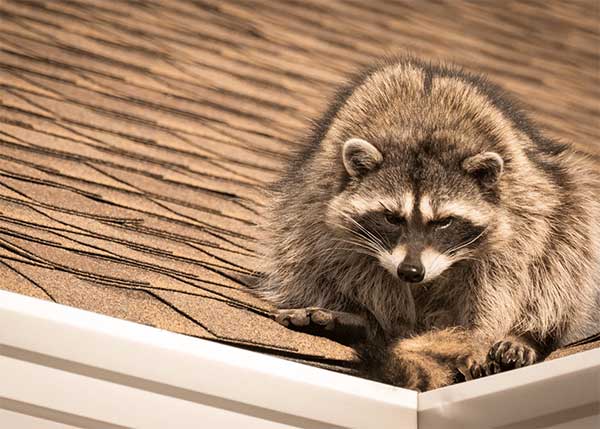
512	354
303	317
469	369
502	356
478	370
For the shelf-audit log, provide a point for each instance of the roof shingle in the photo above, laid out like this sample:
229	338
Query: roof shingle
136	138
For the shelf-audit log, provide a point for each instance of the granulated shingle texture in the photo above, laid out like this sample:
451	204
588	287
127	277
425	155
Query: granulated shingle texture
136	137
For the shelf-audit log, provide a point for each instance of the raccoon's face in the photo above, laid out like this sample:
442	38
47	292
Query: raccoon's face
417	216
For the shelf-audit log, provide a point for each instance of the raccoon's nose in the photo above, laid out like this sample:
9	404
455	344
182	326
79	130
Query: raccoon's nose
412	273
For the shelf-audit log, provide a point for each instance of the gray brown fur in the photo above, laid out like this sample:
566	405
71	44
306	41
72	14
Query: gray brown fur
531	278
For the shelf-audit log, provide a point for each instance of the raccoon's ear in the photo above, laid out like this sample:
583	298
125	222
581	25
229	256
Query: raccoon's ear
360	157
486	167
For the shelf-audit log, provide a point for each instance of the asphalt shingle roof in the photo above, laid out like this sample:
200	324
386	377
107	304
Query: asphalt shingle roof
136	137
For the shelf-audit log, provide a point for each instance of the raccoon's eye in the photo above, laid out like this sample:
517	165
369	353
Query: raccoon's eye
443	223
394	219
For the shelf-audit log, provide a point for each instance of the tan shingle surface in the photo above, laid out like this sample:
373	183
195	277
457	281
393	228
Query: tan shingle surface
136	137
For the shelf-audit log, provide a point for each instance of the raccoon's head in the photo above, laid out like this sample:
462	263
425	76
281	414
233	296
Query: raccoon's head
417	209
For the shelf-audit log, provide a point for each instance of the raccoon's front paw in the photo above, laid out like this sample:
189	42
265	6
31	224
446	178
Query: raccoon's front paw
510	354
304	317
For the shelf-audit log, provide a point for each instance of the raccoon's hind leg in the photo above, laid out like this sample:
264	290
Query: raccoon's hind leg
429	361
343	327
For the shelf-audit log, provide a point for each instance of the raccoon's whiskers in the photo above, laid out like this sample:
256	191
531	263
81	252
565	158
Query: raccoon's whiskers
368	246
370	250
463	245
378	241
367	238
454	253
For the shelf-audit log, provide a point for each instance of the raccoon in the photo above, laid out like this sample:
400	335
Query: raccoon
431	225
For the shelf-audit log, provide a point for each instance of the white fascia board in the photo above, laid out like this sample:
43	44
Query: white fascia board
562	393
140	373
53	356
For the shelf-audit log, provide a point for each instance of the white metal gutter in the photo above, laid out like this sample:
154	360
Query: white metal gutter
562	393
61	367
